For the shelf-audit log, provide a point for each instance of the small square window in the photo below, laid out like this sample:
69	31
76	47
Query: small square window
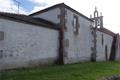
67	42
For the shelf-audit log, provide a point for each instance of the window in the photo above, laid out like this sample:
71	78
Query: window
1	35
67	42
102	40
1	54
75	24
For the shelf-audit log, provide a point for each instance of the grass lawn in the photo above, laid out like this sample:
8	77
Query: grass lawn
81	71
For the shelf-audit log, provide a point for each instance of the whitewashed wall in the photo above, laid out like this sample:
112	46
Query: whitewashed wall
107	40
50	15
27	45
79	48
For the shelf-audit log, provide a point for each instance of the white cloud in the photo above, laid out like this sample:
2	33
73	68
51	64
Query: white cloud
10	6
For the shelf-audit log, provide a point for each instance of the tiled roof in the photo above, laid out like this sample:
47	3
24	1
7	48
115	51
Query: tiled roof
28	19
104	30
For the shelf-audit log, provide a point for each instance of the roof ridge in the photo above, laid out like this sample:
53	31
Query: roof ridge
56	5
12	13
46	8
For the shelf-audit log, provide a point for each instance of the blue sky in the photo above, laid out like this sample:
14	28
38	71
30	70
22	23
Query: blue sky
109	8
27	4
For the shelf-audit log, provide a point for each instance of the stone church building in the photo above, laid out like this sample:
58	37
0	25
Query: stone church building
55	35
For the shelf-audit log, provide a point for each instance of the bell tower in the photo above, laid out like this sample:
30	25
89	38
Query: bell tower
98	20
97	23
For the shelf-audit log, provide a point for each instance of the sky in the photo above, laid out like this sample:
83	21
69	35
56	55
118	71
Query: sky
109	8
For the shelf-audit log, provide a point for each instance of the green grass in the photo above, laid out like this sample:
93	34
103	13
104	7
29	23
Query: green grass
81	71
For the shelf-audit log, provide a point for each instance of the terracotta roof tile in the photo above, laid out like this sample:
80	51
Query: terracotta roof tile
107	31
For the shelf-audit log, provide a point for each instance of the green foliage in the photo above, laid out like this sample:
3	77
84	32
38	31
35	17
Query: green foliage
81	71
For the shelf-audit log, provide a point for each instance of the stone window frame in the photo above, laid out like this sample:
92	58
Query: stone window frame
75	24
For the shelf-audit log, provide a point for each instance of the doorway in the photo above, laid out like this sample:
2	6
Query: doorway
106	52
